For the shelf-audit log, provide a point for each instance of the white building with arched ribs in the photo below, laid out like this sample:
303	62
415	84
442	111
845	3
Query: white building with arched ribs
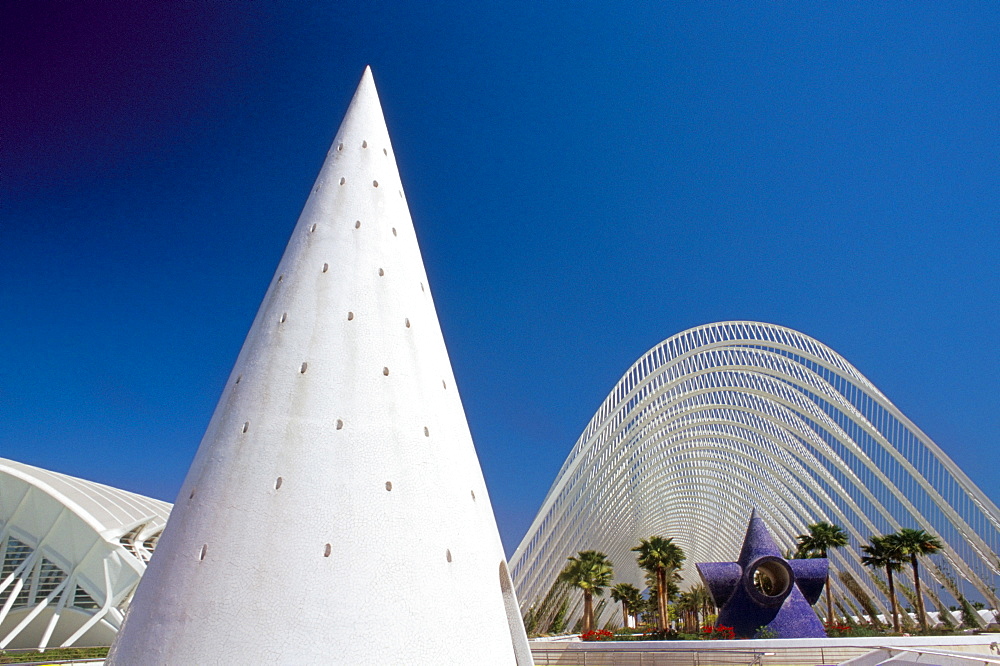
727	417
72	554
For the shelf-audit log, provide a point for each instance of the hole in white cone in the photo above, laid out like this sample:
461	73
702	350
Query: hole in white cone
473	495
283	317
312	228
343	180
278	482
327	549
326	267
385	371
407	320
305	366
340	424
357	225
239	378
447	555
394	231
385	152
246	426
381	272
427	433
374	183
204	551
191	496
444	384
364	144
340	146
388	485
350	316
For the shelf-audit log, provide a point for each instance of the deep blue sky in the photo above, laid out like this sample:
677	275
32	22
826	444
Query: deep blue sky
585	183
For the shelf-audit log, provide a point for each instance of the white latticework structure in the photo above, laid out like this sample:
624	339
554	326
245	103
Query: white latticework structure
71	555
727	417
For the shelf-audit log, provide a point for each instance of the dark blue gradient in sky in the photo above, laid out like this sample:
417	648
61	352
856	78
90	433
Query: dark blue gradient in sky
585	183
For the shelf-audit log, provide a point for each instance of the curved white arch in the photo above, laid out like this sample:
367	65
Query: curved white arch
726	417
71	555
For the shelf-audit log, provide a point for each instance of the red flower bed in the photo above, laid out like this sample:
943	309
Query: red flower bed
719	633
839	630
597	635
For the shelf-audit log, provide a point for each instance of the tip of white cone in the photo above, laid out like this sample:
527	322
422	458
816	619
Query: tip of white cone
367	78
366	95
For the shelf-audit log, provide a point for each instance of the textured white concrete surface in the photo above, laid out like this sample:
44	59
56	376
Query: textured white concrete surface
335	511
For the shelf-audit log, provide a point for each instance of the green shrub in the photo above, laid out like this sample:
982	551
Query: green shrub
765	632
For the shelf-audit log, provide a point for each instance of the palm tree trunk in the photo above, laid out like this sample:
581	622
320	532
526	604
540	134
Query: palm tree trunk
829	603
920	597
661	596
892	600
625	613
829	594
588	612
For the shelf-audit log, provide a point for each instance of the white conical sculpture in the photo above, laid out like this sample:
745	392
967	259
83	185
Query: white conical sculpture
335	511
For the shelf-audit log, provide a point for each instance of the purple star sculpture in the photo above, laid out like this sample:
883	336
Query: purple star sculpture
763	589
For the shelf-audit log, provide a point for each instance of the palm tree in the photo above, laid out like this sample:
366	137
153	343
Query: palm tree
591	572
659	556
694	605
626	595
688	605
652	603
701	597
910	542
644	609
821	538
635	605
882	553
